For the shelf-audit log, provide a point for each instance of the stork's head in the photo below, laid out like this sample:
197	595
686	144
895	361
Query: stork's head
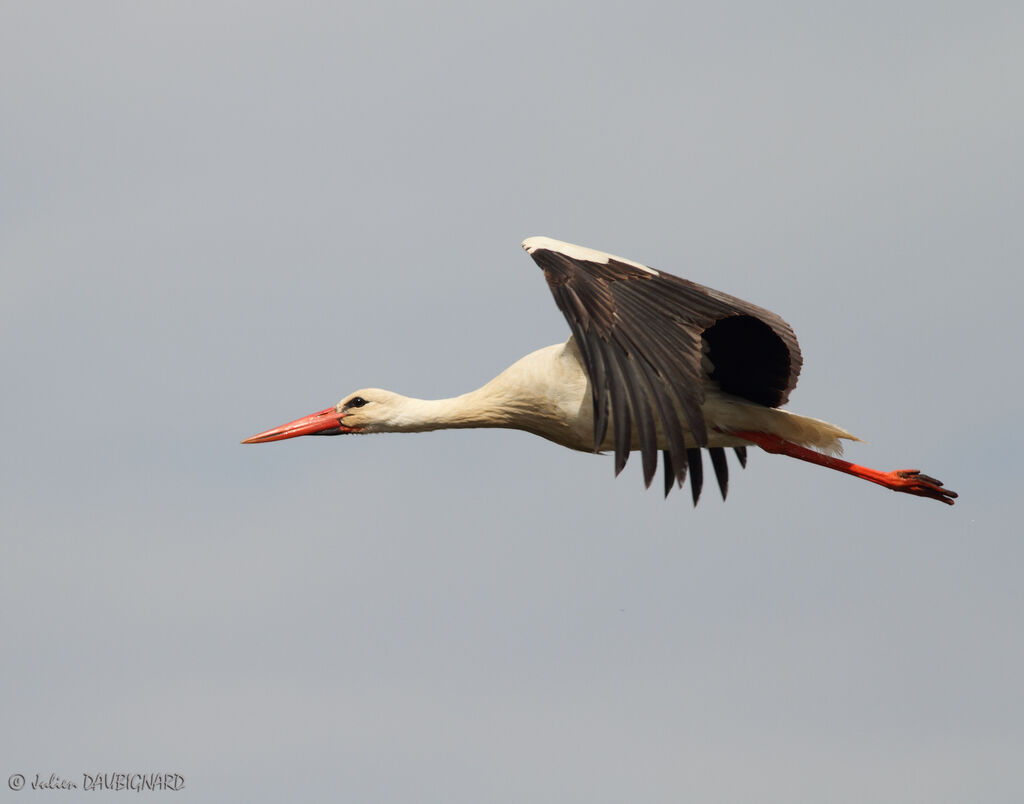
368	410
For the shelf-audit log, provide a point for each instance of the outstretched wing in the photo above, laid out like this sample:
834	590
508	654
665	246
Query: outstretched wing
649	340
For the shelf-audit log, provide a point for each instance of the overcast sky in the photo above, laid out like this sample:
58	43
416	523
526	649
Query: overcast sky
218	217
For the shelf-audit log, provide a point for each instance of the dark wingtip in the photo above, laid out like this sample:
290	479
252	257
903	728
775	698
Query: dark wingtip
621	457
741	455
721	469
696	473
670	475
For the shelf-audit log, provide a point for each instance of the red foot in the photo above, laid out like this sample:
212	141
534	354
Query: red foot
912	481
909	481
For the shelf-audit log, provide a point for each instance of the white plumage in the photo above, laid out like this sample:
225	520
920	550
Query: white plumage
654	363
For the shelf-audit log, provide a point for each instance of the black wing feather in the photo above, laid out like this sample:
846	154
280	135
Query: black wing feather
670	474
642	335
696	473
721	469
647	433
673	430
594	362
621	418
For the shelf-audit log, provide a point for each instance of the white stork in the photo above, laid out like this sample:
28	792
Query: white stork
654	362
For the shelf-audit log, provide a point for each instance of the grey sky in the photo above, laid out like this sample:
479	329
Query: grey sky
215	218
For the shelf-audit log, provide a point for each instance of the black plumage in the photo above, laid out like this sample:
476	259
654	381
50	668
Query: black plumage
642	336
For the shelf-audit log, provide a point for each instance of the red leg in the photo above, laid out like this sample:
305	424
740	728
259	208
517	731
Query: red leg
910	481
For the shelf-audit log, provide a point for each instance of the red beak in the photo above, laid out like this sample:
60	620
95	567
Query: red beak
326	422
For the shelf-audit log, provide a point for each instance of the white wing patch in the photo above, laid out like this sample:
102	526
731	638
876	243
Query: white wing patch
573	252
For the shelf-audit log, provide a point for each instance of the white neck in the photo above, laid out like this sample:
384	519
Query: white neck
543	393
479	408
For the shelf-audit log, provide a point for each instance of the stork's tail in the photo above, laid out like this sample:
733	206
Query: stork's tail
810	432
732	413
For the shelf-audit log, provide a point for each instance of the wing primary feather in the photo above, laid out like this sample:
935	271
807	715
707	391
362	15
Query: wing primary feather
695	418
741	455
696	473
673	350
594	362
588	342
599	386
620	413
721	469
658	391
640	395
579	312
673	431
670	475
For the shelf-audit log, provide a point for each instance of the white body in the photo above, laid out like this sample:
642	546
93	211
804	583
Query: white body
547	393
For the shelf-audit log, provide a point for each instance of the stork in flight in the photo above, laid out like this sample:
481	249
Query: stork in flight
654	363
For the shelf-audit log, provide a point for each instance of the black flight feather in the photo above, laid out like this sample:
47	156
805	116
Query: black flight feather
696	473
721	469
642	334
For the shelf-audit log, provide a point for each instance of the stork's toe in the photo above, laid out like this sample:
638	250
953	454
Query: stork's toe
911	481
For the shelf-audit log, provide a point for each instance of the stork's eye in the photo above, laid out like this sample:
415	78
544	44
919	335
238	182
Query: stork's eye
355	402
